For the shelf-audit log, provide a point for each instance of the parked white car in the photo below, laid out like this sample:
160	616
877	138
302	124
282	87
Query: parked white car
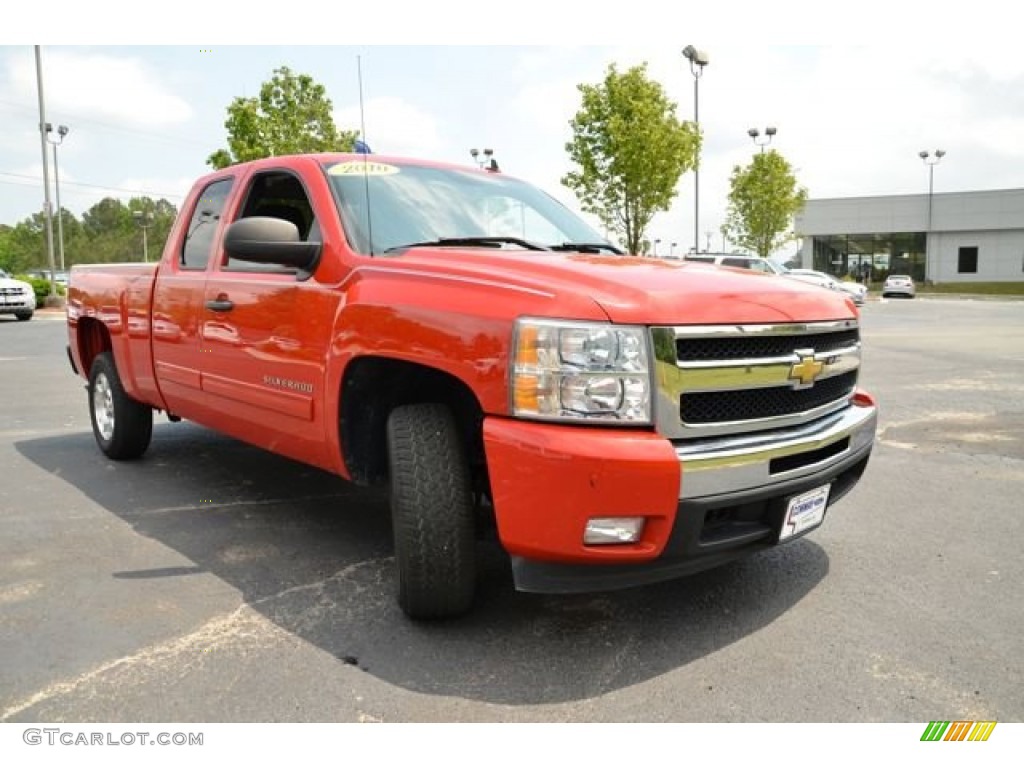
856	291
16	297
814	277
899	285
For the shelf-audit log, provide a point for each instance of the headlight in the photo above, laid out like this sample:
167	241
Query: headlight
565	370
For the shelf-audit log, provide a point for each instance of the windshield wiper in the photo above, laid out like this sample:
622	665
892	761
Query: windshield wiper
486	241
586	247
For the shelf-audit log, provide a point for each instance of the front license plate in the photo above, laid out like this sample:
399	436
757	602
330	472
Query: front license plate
804	512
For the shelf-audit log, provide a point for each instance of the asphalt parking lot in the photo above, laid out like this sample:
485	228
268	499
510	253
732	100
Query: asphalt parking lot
213	582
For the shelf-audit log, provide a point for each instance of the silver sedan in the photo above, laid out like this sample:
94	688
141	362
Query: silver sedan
899	285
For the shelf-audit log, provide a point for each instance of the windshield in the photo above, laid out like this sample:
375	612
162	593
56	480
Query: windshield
413	204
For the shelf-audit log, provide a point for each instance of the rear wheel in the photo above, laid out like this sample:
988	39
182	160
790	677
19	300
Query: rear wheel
23	315
431	512
123	427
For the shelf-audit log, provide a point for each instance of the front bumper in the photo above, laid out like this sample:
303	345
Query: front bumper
705	502
17	303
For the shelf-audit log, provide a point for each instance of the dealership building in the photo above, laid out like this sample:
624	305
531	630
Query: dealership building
972	236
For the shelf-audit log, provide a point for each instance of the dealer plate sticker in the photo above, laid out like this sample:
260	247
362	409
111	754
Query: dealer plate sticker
804	512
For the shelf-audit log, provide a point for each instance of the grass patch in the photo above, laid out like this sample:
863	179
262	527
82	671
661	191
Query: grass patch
990	289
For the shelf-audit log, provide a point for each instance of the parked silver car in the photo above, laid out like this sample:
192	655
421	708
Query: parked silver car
899	285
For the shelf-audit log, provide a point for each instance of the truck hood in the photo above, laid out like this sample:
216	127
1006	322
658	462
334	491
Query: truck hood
643	291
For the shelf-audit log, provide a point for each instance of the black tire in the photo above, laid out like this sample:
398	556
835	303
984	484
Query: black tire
23	316
431	512
122	427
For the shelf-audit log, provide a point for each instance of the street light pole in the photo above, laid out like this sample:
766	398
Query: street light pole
931	162
62	131
52	299
769	133
698	60
145	221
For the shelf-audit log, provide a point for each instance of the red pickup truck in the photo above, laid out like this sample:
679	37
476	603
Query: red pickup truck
460	336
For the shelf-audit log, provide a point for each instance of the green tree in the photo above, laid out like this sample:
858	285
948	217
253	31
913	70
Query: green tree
629	150
24	245
107	232
291	115
763	198
7	257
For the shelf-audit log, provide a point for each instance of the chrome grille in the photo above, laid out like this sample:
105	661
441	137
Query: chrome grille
721	380
768	402
736	348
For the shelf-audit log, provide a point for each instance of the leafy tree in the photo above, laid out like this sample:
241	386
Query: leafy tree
763	199
7	254
108	216
630	150
292	115
24	245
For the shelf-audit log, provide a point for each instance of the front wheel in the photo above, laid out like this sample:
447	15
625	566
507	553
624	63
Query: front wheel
431	512
123	427
23	316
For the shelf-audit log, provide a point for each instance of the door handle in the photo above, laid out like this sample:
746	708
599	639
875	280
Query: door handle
220	305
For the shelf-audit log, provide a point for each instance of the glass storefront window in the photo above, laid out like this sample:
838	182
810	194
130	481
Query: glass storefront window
852	255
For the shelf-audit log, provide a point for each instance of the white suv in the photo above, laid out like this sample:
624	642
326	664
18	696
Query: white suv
16	297
738	260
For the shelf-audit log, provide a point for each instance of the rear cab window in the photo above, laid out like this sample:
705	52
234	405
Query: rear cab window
203	226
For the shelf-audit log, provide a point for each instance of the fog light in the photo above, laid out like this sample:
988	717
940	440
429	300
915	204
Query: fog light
613	530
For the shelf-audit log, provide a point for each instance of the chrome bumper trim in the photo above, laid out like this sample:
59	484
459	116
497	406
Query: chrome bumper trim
740	462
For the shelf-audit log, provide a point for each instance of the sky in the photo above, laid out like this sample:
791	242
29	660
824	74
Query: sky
854	97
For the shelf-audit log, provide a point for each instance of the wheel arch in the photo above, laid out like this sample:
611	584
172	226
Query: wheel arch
92	339
373	386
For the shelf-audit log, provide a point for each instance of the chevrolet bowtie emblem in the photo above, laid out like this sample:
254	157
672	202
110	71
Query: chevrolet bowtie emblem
806	370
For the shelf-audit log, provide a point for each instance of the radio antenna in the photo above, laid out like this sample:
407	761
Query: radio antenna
366	152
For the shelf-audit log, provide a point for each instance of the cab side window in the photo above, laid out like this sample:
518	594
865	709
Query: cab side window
195	253
279	195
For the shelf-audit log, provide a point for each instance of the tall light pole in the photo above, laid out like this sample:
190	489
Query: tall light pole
698	60
769	133
931	161
145	221
52	299
62	131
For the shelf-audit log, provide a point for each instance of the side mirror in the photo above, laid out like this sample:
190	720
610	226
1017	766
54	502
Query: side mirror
264	240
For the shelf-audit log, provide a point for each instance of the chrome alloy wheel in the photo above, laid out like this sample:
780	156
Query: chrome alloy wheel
103	407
